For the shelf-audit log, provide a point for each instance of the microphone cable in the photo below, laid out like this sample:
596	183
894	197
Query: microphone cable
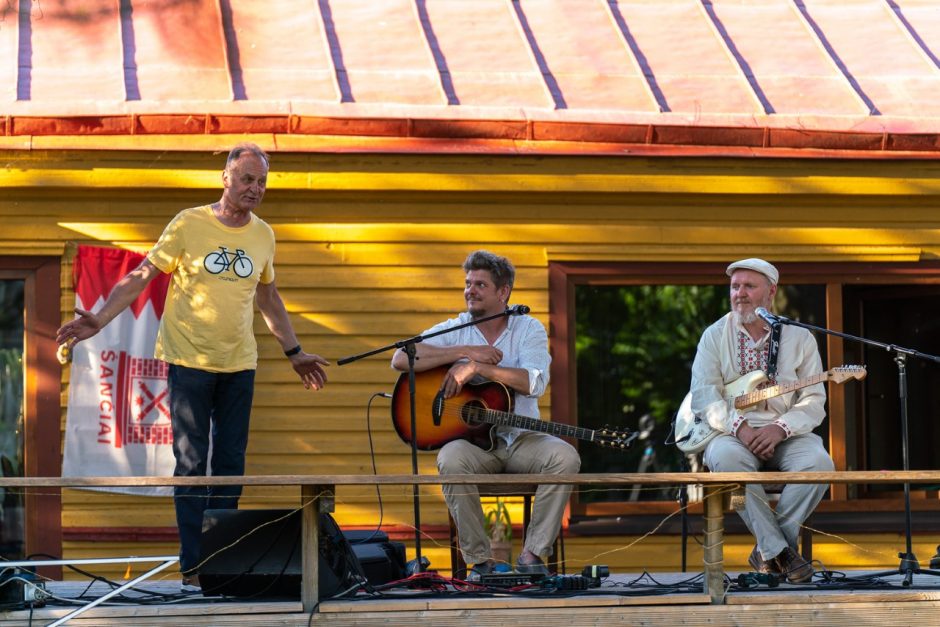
378	489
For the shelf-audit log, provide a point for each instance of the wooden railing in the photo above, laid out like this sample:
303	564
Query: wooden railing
317	495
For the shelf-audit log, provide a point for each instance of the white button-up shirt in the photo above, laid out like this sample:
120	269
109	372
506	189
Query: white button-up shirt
524	344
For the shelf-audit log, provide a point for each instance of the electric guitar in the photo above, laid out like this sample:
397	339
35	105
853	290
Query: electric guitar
473	413
693	433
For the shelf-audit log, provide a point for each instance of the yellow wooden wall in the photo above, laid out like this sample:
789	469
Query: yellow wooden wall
369	249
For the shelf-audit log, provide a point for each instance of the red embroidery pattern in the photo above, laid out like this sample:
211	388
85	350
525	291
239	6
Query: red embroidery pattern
751	359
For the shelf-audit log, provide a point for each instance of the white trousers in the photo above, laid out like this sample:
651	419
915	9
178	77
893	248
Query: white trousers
777	529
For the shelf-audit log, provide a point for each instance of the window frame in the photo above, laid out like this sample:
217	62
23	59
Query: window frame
565	276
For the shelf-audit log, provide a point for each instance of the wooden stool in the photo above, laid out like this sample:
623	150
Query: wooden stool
457	564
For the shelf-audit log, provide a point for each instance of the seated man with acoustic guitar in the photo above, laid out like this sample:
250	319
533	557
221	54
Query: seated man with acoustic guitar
511	351
775	434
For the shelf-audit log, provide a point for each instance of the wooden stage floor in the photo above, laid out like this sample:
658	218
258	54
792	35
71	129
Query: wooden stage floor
629	599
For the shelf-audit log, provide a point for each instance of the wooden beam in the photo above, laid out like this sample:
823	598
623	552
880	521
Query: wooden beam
316	500
714	543
663	478
834	348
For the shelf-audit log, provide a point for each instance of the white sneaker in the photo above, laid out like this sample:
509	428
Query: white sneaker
190	584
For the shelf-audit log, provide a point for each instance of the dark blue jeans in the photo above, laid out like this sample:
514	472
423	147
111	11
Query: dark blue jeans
207	408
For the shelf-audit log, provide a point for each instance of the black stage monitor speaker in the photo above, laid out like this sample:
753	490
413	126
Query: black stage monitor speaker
257	553
382	561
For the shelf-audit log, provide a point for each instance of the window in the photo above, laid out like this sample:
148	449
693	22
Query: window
634	346
624	337
31	304
12	533
903	315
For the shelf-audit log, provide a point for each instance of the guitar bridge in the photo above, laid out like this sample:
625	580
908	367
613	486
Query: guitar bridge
437	409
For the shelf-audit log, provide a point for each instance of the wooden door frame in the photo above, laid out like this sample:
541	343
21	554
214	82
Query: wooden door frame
42	376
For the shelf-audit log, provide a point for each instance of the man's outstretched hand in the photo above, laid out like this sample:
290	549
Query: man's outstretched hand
86	325
310	369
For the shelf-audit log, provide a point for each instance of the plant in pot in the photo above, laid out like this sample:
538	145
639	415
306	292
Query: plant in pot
498	527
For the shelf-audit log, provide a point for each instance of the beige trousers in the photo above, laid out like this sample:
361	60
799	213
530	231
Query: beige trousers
531	453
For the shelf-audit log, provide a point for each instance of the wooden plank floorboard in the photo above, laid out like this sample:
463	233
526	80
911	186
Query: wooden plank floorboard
513	603
784	606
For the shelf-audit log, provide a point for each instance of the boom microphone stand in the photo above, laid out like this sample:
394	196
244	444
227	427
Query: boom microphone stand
909	564
409	346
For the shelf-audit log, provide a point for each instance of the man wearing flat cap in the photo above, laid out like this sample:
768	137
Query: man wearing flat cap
776	434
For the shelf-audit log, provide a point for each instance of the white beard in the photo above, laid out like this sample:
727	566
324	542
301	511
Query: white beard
744	319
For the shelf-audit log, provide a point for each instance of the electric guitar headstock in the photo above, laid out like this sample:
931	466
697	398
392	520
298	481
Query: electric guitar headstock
841	374
611	438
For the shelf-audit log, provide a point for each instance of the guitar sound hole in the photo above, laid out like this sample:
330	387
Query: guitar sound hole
470	412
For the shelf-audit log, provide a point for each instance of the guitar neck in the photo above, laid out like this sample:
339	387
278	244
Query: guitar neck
752	398
502	418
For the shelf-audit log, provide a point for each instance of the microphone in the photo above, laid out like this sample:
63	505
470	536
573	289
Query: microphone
767	316
517	310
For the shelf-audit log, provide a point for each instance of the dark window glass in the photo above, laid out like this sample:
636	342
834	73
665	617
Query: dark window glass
902	315
11	416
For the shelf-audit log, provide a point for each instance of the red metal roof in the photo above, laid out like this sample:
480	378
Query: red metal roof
829	74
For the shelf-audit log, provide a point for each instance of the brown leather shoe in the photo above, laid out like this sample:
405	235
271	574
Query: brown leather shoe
793	566
531	565
762	566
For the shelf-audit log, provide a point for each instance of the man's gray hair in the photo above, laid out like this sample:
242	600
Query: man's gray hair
240	149
500	268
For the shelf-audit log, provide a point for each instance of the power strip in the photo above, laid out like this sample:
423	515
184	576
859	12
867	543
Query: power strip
35	593
508	580
21	586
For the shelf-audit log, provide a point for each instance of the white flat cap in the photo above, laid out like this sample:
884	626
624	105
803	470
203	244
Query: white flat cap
757	265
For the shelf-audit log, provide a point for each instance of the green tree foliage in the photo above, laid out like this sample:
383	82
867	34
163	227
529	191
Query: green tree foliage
635	345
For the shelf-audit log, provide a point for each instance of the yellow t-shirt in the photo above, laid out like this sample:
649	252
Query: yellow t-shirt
207	322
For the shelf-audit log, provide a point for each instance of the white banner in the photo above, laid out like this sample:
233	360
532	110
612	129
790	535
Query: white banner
118	420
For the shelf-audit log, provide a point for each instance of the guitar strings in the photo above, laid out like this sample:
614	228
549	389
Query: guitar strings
452	410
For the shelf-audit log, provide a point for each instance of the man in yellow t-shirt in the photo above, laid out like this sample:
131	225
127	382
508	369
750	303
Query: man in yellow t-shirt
221	258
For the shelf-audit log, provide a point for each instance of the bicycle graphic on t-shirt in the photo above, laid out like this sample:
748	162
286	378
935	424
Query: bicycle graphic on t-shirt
221	260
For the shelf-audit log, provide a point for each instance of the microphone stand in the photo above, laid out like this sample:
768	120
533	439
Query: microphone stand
909	564
409	346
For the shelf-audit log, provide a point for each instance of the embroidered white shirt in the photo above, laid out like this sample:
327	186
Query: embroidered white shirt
718	362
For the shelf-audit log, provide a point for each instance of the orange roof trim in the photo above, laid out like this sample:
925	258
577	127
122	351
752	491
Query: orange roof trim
493	136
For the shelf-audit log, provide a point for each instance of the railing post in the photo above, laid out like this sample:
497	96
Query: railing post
316	499
714	544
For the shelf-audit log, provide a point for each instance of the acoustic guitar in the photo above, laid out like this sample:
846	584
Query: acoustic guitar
473	414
